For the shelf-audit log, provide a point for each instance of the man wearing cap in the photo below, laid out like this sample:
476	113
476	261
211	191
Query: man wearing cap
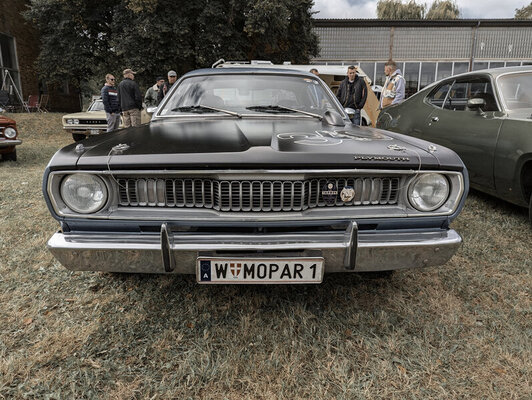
353	93
150	98
172	77
130	99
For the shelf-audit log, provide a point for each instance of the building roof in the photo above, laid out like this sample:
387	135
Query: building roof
422	23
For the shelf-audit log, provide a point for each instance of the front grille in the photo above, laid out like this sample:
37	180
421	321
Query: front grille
254	195
93	121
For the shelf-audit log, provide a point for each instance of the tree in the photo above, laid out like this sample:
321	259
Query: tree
82	40
396	9
524	12
443	9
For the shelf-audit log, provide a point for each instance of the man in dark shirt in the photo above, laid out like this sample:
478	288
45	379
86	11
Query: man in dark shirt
111	104
353	93
130	99
165	88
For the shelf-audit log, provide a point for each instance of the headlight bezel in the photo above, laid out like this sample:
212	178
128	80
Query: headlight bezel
73	207
418	180
7	132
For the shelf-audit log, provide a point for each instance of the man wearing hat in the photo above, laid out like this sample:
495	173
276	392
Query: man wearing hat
130	99
165	88
353	93
150	98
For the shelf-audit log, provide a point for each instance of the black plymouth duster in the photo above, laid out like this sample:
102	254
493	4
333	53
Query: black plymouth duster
253	176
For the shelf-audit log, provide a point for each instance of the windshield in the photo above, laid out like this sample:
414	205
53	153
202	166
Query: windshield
96	106
250	94
516	90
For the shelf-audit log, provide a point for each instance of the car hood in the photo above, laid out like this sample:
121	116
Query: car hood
6	121
86	114
253	143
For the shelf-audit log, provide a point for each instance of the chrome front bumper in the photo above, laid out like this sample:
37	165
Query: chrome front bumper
10	142
176	252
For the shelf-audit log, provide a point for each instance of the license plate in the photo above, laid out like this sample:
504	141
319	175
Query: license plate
95	132
212	270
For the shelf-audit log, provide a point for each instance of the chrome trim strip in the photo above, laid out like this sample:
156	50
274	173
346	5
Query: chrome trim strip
10	142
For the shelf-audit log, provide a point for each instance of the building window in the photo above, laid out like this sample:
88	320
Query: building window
428	74
411	75
496	64
460	67
445	69
480	65
379	74
369	70
513	63
9	74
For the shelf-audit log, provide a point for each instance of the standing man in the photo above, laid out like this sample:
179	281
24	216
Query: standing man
130	99
172	77
110	103
393	91
353	93
150	98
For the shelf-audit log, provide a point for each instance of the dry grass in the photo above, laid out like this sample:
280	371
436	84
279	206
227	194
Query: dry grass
459	331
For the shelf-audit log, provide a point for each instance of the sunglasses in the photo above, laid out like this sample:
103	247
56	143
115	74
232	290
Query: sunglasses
111	79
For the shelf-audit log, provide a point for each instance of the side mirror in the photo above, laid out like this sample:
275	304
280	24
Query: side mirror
151	110
333	118
350	112
475	104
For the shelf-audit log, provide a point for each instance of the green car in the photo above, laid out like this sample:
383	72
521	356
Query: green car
484	116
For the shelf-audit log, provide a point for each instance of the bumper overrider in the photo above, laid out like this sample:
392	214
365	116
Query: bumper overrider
176	252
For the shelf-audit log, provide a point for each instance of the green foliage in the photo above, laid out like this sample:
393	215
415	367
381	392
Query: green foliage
443	9
82	40
396	9
524	12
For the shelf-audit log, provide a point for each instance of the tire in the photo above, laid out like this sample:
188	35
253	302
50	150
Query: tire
78	136
530	209
10	156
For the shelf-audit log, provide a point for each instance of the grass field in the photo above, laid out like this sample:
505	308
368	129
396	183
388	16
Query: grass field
463	330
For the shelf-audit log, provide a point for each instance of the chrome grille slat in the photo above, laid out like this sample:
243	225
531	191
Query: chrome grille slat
253	195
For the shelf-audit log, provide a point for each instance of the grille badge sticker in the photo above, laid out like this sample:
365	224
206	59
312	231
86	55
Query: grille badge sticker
347	194
329	192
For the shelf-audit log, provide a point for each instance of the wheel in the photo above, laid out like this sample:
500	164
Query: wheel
10	156
78	136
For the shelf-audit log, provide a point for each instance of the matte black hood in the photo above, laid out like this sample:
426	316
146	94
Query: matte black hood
263	143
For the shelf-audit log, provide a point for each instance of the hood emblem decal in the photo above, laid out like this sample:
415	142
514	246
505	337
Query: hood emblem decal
329	192
347	194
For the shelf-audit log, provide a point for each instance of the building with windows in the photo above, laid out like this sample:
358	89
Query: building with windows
425	50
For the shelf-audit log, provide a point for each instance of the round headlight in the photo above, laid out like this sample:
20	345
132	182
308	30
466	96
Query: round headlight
76	121
83	193
10	133
70	121
428	191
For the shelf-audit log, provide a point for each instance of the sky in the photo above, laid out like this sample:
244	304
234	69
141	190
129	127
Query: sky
367	8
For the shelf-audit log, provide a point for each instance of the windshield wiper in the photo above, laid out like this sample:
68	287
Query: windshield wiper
282	108
201	108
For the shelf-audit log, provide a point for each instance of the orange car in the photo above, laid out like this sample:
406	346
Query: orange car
8	139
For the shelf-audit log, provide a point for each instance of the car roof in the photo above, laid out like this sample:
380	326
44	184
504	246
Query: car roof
248	71
494	72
